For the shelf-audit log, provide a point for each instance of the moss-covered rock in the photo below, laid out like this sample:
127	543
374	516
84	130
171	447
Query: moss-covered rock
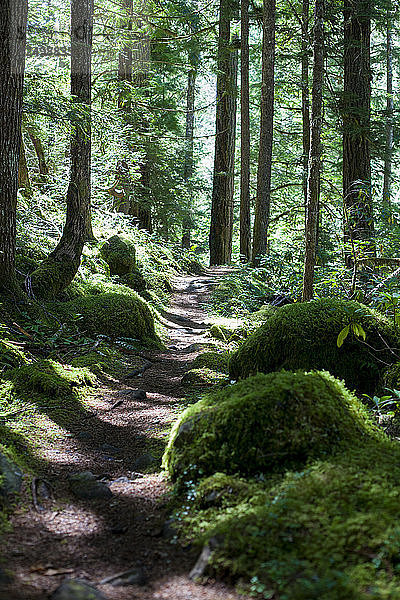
266	423
304	336
50	378
134	281
119	253
203	377
217	361
329	532
111	314
10	355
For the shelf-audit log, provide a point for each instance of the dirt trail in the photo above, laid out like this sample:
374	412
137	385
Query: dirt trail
92	539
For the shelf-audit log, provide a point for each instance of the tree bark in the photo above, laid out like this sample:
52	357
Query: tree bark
61	266
188	164
313	186
24	182
37	144
13	19
305	98
263	198
387	170
220	238
358	210
245	226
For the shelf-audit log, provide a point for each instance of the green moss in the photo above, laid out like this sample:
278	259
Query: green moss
227	334
120	255
53	276
304	336
203	377
135	281
10	355
266	423
217	361
329	532
50	377
112	314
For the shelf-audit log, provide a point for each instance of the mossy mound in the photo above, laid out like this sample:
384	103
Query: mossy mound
203	377
266	423
10	355
329	532
227	334
134	281
111	314
120	255
217	361
304	336
50	378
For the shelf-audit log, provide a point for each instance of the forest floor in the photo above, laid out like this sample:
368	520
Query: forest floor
96	539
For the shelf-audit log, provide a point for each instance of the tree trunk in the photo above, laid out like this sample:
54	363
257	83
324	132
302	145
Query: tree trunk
13	18
188	164
141	208
315	153
37	144
125	68
387	171
61	266
245	232
220	238
358	211
305	99
263	198
24	182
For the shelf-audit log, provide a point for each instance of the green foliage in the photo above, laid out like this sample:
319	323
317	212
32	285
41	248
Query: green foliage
304	336
266	423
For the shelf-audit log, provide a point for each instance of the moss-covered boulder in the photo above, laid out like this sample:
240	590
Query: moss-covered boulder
203	377
304	336
111	314
10	355
50	378
119	254
217	361
326	532
266	423
134	280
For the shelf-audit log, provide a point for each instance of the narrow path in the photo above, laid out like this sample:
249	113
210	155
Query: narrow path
95	539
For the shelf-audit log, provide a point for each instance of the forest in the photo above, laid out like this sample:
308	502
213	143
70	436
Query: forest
199	300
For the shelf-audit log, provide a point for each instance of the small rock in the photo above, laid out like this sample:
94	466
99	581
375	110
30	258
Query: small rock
74	589
85	485
145	462
202	563
119	529
138	395
109	449
5	577
135	576
84	436
10	477
168	530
